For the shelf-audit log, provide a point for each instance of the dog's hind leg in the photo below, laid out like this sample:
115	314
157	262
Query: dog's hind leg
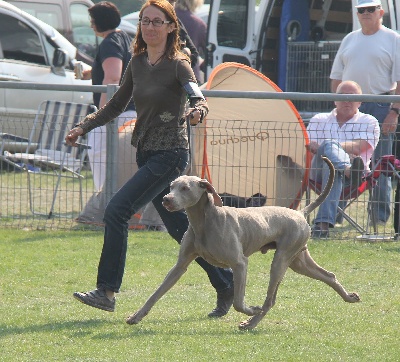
186	255
279	266
304	264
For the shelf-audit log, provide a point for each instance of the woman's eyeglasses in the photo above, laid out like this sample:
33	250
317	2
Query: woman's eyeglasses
157	22
369	9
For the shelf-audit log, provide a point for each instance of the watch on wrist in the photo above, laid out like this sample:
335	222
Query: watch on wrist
394	109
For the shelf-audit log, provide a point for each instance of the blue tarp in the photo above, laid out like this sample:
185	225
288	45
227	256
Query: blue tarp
292	10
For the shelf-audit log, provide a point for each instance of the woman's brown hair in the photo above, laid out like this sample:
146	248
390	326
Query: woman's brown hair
173	45
105	16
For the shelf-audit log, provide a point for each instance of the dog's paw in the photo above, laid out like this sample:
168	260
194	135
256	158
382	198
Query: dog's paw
245	325
353	298
251	323
135	318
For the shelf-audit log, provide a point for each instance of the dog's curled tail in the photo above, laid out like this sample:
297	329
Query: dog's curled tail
320	199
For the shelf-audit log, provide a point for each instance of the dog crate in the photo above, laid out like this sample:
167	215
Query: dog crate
308	68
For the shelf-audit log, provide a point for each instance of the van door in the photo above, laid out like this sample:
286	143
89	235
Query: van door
231	35
2	77
396	10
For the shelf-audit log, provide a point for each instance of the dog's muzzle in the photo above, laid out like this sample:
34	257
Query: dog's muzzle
168	203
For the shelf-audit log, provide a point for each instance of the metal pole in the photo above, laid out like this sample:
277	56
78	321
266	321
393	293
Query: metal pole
294	96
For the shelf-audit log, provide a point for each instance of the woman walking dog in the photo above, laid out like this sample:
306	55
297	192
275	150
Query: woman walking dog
159	78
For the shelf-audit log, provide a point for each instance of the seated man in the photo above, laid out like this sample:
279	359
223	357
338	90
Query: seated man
348	138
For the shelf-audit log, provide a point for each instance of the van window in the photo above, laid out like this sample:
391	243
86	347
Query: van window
83	35
232	24
20	42
49	13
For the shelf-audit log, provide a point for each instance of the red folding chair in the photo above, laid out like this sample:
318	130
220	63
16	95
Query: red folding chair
389	166
350	195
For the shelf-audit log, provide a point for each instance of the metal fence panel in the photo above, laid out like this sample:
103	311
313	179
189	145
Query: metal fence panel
14	200
308	68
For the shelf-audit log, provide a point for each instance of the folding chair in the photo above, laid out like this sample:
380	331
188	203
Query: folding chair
52	122
349	195
387	165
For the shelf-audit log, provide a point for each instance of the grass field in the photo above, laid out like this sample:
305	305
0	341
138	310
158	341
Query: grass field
40	321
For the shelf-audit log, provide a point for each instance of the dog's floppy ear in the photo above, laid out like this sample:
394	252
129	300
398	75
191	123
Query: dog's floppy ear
210	188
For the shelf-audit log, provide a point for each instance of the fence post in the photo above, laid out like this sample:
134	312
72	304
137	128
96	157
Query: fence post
110	184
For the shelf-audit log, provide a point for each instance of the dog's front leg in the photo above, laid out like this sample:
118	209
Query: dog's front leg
186	256
240	279
279	266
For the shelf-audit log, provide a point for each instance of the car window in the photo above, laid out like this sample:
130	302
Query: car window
84	37
19	41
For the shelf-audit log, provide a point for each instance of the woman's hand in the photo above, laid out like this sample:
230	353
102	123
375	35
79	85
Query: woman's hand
194	116
87	74
84	74
73	135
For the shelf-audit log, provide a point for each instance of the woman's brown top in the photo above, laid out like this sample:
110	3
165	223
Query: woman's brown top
160	101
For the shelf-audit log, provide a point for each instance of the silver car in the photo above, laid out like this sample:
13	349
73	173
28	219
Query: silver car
32	51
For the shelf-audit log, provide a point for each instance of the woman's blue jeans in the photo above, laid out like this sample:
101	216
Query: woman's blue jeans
157	169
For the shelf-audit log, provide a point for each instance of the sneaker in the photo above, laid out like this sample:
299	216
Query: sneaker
96	298
356	172
224	303
318	233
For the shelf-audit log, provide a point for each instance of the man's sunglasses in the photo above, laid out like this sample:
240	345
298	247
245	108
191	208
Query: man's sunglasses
370	9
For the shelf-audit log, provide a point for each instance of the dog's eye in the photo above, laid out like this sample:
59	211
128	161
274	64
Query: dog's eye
184	188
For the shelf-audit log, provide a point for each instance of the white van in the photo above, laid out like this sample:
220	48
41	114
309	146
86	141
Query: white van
292	42
32	51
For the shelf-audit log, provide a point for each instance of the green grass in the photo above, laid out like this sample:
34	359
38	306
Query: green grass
40	321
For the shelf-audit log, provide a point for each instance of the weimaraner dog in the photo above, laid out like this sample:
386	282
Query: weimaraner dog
227	236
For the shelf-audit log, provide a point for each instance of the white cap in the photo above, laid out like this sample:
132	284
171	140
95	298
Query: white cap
366	3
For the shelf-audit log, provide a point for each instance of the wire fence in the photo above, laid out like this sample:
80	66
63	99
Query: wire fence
250	164
308	68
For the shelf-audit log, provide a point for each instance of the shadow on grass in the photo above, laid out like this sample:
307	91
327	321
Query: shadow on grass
94	327
393	250
184	327
77	326
173	331
39	236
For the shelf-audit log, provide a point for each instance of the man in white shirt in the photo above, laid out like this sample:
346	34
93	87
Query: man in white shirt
348	138
370	56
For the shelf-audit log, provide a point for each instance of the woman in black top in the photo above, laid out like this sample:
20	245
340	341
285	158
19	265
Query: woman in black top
108	67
